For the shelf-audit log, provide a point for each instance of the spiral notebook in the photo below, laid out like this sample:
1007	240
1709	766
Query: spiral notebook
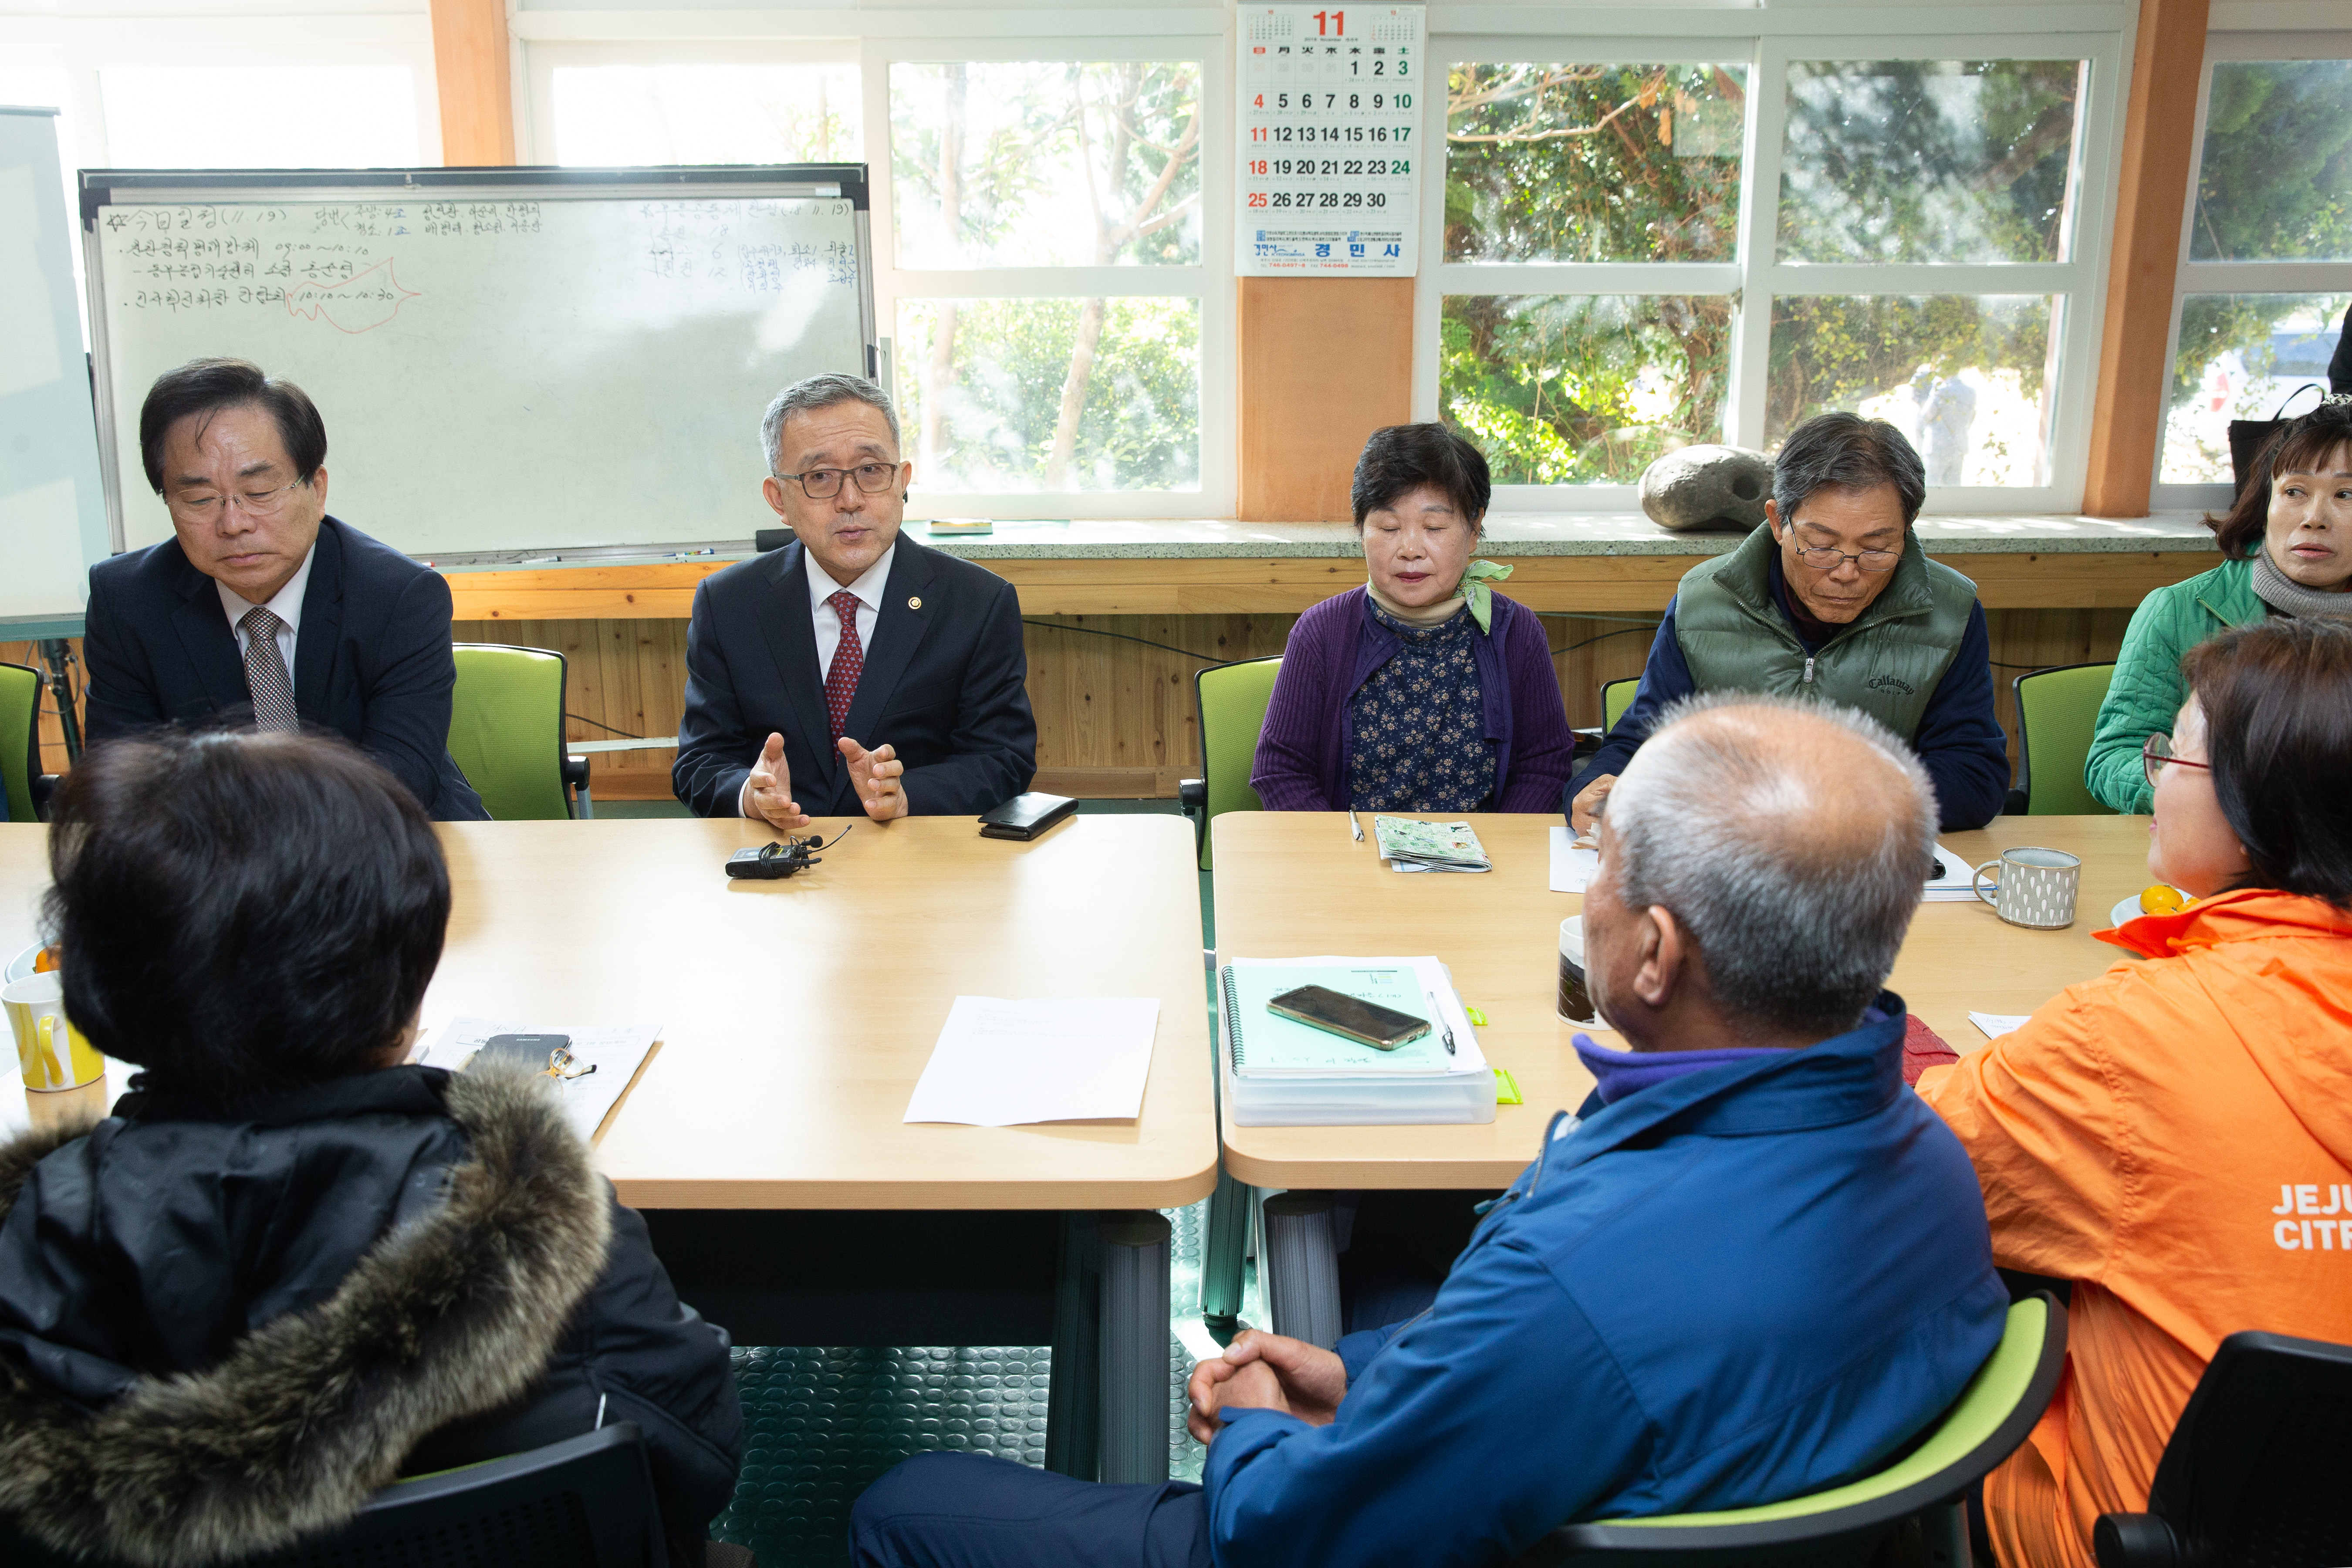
1267	1043
1287	1074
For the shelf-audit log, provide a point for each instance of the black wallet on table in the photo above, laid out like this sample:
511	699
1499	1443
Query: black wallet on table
1026	816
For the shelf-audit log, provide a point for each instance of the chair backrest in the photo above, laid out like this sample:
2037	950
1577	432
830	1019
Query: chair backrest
584	1502
1232	698
1992	1415
2057	713
20	738
506	729
2259	1469
1616	696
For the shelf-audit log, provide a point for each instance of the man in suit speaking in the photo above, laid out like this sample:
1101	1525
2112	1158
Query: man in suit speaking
262	608
884	677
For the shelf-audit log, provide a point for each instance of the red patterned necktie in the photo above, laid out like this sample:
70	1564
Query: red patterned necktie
848	663
264	672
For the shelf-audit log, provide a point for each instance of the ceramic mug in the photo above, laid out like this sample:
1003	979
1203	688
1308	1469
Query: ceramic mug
1575	998
52	1052
2036	887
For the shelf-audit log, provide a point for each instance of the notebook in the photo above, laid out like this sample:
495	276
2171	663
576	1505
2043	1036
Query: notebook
1412	845
1287	1074
1267	1043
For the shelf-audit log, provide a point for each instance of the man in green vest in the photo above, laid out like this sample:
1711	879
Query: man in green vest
1831	598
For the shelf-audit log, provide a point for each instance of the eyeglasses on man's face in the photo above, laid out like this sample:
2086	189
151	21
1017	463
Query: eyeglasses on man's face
823	484
208	506
1822	558
2157	752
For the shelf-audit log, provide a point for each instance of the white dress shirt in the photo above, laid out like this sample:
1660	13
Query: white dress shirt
821	585
285	605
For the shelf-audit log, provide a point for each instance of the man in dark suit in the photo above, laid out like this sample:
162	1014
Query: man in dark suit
263	609
886	677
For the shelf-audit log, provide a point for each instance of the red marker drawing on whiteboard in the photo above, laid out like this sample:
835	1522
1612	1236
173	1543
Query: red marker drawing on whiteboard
360	303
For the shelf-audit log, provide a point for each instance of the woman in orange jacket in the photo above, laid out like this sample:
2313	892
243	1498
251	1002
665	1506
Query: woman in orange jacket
2174	1137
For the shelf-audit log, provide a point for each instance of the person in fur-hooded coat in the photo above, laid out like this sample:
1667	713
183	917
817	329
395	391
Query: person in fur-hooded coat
286	1271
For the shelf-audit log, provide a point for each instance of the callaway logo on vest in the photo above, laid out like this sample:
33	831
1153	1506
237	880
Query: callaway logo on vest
1887	662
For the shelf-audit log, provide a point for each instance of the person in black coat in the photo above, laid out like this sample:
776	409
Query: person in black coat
356	635
854	669
289	1270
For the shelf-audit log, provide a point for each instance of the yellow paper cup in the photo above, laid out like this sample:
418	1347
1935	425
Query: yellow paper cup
51	1052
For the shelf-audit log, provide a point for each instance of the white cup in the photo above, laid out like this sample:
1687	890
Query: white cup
2036	886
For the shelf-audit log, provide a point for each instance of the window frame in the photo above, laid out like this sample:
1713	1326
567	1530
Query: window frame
2235	277
1756	276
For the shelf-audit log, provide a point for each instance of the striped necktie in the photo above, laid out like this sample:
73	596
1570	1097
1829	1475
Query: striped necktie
264	672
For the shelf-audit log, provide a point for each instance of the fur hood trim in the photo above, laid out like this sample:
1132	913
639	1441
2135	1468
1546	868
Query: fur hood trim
454	1313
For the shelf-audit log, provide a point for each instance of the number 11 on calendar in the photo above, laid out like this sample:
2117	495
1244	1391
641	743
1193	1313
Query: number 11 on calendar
1332	105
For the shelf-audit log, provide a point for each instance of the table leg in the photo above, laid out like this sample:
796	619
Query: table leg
1225	1239
1074	1402
1134	1346
1302	1267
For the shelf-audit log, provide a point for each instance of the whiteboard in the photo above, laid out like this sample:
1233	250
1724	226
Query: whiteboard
507	361
52	503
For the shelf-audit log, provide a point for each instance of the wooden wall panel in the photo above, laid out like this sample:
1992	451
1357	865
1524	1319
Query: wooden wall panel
472	71
1324	362
2144	264
1115	717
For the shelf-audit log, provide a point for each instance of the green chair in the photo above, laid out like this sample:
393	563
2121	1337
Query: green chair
1841	1527
1232	698
20	740
1616	696
506	733
2057	713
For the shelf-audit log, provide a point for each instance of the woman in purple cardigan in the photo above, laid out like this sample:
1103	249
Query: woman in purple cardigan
1422	690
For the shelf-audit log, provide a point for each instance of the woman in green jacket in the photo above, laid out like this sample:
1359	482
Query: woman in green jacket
2287	550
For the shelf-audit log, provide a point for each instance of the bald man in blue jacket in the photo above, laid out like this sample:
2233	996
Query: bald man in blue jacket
1752	1266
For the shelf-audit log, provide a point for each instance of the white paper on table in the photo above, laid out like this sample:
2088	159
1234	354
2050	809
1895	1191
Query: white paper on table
615	1050
1996	1025
1000	1062
1956	885
1573	869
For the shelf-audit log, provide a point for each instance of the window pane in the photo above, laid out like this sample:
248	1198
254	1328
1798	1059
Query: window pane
2240	357
1964	376
1046	164
1927	160
1566	389
1577	162
1052	395
2276	180
260	117
705	114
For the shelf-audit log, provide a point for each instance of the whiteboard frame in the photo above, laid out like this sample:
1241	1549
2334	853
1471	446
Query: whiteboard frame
102	188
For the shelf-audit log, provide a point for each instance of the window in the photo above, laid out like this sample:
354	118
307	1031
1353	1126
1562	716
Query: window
2266	278
1556	164
1047	231
259	117
705	114
1615	284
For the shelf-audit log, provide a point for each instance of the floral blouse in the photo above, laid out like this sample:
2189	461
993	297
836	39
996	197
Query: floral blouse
1420	725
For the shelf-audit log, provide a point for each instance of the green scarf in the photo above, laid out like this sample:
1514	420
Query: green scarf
1474	588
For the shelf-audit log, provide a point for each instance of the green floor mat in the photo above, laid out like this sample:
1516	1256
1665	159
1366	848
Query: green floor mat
821	1425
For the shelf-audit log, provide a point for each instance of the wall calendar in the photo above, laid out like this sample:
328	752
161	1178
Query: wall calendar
1331	110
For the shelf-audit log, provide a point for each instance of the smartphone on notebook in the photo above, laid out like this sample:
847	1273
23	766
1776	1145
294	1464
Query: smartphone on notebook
1366	1023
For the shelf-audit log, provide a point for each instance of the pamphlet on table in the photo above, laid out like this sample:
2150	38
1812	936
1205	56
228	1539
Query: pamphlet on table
615	1051
1283	1073
1001	1063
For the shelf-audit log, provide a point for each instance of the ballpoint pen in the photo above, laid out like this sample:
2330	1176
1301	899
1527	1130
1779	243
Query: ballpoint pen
1356	826
1438	1014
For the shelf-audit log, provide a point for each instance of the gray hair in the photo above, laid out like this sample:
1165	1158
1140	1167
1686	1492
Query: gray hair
1798	903
1847	452
830	390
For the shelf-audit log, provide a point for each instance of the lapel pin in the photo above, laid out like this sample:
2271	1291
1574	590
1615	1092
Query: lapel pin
914	604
